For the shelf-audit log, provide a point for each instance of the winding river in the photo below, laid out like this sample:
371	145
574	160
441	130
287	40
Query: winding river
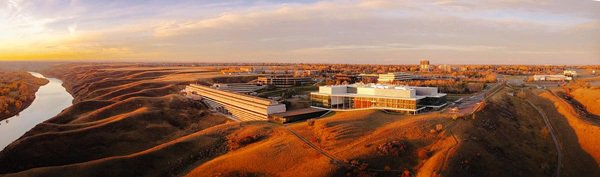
49	100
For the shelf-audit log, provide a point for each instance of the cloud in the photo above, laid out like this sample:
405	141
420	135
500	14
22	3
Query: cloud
340	31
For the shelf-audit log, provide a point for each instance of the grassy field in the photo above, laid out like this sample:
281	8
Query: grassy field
579	138
507	138
589	98
131	122
117	111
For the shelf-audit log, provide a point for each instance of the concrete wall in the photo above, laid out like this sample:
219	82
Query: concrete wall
403	93
333	89
276	109
426	91
337	100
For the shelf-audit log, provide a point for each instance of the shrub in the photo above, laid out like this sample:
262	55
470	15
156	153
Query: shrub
393	148
310	122
423	154
236	143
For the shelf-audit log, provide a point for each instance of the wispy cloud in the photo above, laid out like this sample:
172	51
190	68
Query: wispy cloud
341	31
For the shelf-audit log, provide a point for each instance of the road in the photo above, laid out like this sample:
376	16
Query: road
554	137
472	104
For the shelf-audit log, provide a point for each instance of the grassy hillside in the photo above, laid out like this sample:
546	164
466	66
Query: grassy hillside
579	137
507	138
117	112
589	98
130	121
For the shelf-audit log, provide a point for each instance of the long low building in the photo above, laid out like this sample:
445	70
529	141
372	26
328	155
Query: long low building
394	77
557	77
238	87
284	81
374	96
240	106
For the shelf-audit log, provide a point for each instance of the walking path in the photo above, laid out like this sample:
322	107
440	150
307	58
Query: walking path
554	138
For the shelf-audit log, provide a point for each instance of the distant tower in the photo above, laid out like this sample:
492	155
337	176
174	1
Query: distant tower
424	66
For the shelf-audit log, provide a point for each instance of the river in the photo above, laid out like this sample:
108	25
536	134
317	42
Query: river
50	99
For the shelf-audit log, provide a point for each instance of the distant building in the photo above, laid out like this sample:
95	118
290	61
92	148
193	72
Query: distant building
253	69
304	73
284	81
445	68
345	78
247	69
368	78
233	72
424	65
373	96
282	72
570	73
240	106
238	87
392	77
551	78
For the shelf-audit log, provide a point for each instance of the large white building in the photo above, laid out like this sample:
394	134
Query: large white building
392	77
570	73
557	77
374	96
239	106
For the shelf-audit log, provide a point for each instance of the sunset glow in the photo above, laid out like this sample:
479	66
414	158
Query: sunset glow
506	32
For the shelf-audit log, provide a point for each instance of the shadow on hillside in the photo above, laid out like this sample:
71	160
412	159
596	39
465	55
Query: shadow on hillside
576	161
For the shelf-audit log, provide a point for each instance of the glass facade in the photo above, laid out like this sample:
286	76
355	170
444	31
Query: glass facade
345	102
320	101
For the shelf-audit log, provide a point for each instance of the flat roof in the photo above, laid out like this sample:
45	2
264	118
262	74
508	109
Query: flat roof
418	97
378	86
250	97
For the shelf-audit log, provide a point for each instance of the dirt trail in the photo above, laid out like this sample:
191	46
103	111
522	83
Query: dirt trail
323	152
577	136
554	138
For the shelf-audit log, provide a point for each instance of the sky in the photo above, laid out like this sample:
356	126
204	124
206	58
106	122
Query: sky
305	31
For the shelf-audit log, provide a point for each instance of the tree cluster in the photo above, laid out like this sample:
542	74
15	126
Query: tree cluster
16	90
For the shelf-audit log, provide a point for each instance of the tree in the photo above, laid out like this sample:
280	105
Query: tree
491	77
18	105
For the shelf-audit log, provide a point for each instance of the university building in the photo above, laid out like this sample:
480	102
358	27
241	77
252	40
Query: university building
374	96
239	106
392	77
245	88
283	81
556	77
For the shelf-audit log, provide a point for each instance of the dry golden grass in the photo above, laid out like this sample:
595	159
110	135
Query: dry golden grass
117	112
280	154
587	134
166	159
505	139
126	122
589	98
357	135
